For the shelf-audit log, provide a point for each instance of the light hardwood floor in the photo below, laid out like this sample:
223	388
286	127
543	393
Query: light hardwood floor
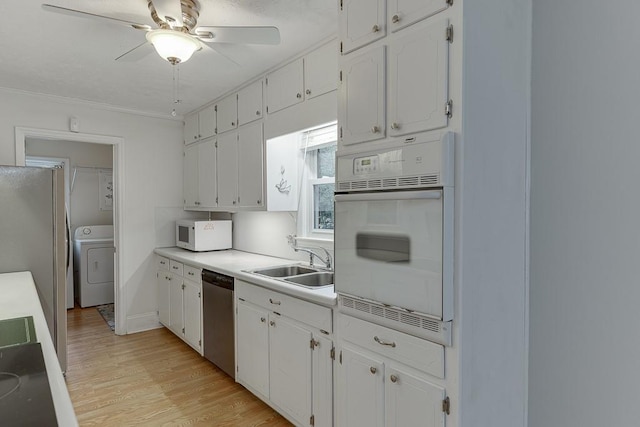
151	378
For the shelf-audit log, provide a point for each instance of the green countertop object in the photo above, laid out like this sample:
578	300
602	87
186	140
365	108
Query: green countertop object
19	330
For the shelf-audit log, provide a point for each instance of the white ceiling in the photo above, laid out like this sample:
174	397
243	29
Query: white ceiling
73	57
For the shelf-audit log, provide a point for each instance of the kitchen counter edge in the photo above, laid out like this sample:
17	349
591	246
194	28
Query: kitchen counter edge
235	263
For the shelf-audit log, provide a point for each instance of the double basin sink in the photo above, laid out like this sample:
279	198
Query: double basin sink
308	277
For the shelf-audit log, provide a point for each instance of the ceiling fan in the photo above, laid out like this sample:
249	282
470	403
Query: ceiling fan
178	34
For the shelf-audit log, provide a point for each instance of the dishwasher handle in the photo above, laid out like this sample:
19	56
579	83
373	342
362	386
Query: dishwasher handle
217	279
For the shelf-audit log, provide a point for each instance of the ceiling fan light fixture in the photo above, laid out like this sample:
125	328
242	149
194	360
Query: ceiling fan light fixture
174	46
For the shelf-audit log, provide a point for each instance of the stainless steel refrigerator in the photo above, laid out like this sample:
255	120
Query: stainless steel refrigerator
33	237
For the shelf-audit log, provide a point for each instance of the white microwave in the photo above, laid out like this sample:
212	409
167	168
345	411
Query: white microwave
203	235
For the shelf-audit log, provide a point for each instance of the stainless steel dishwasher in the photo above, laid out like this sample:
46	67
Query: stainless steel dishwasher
217	315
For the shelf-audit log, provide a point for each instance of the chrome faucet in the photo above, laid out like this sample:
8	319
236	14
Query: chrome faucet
310	250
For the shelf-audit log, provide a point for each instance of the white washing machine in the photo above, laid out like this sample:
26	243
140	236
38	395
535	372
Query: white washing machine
93	262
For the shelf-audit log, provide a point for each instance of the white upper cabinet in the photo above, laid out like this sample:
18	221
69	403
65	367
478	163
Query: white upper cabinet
227	110
406	12
250	103
190	176
361	100
418	80
285	86
250	166
207	180
207	122
228	169
361	22
321	71
191	130
200	125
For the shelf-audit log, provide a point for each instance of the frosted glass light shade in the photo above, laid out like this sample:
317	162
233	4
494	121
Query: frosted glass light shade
173	45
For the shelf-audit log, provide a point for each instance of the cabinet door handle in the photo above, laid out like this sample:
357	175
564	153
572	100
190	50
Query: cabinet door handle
190	273
274	302
233	123
299	95
375	28
234	202
393	378
395	19
373	369
258	113
272	323
162	262
259	202
375	129
308	92
262	319
395	125
379	341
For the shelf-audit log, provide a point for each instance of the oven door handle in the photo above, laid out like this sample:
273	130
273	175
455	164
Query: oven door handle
389	195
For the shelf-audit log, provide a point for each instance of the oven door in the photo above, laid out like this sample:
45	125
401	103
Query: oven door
396	248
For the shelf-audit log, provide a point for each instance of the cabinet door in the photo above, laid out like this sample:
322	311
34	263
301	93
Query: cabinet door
418	80
285	87
228	170
411	400
250	166
163	298
361	98
406	12
290	368
360	390
207	122
191	128
190	176
250	103
228	113
175	304
322	382
321	71
361	22
252	353
191	308
207	180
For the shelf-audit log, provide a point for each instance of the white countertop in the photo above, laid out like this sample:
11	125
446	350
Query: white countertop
19	299
233	263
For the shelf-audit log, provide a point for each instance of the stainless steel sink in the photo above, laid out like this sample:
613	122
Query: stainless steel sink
317	279
300	275
285	271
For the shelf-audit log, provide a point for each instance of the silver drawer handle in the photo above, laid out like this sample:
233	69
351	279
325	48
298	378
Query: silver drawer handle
379	341
274	302
375	28
262	319
395	19
373	370
174	267
375	129
162	262
272	323
393	378
190	273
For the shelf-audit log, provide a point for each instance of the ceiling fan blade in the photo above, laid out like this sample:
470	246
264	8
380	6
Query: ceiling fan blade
80	14
170	11
248	35
220	53
136	53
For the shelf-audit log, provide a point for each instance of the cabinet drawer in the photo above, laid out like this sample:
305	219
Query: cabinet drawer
302	311
193	273
176	267
415	352
162	263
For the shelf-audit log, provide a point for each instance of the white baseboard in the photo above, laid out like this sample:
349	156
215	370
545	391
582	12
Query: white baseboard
143	322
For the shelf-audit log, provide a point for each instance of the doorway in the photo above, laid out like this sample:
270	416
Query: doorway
22	135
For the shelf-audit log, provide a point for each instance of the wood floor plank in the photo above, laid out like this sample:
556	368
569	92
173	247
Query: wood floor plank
153	379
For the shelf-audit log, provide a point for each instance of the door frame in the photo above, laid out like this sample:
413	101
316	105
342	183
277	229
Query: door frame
21	135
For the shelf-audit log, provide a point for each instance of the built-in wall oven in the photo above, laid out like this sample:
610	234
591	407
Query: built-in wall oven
394	236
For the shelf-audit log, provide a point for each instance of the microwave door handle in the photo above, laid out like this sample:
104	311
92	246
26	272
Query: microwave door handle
391	195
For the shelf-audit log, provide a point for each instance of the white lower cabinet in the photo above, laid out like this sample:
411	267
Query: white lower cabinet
375	389
286	361
180	301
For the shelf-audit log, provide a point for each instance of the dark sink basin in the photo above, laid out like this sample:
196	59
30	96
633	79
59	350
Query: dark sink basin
314	280
286	271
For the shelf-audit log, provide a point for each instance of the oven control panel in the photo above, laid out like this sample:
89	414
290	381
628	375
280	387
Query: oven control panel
366	165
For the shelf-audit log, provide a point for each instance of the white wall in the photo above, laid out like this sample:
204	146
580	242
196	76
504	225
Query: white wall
585	207
152	189
84	203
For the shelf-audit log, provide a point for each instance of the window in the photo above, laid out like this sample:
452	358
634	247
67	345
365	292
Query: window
318	148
